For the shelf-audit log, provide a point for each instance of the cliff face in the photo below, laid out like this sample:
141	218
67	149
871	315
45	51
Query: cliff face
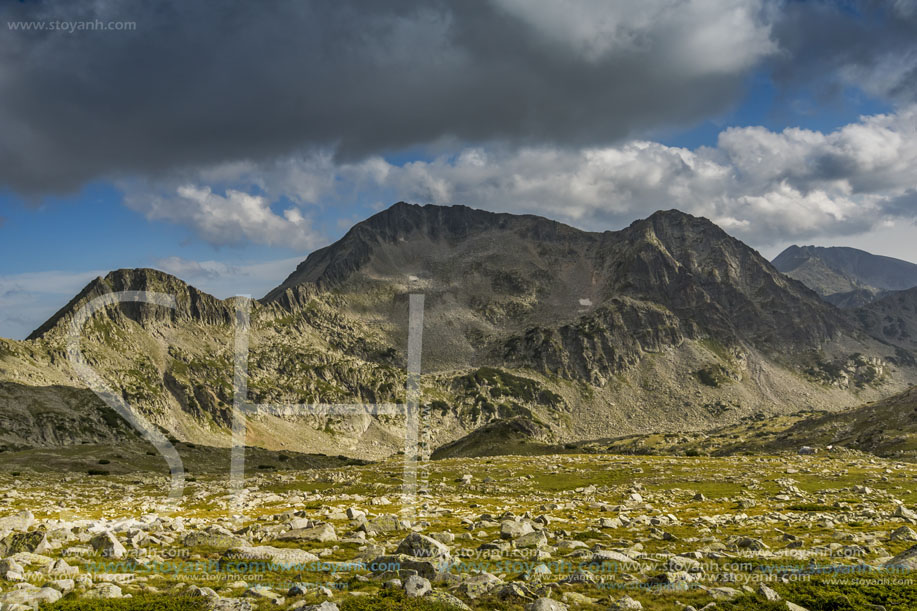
668	324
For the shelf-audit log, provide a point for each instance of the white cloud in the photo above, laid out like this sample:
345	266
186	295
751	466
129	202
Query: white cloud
233	217
764	186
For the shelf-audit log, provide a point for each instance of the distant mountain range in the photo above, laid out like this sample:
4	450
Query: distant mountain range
846	277
667	325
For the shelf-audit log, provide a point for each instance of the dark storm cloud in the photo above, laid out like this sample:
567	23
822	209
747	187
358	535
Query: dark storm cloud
829	45
199	83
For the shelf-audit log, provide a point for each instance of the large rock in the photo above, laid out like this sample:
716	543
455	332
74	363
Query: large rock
533	540
64	586
382	525
478	585
610	557
20	522
626	604
108	545
104	590
906	514
513	529
906	560
325	606
322	533
229	604
416	586
31	596
422	546
395	563
35	542
447	600
546	604
768	593
905	533
11	570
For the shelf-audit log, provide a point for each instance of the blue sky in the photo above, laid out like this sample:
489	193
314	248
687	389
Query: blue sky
783	122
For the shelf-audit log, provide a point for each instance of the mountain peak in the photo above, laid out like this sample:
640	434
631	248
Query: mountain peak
190	302
839	274
404	222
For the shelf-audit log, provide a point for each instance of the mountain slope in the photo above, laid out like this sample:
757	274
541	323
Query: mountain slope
669	324
886	428
846	277
504	278
892	318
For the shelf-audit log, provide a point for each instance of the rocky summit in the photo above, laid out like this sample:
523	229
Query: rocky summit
667	325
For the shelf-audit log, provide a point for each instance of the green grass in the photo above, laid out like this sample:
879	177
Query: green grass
138	602
812	507
393	600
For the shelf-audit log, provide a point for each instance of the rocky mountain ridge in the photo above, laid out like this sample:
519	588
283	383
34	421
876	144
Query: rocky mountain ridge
668	323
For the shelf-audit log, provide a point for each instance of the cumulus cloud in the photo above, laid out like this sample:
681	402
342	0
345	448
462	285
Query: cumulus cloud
196	85
763	186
